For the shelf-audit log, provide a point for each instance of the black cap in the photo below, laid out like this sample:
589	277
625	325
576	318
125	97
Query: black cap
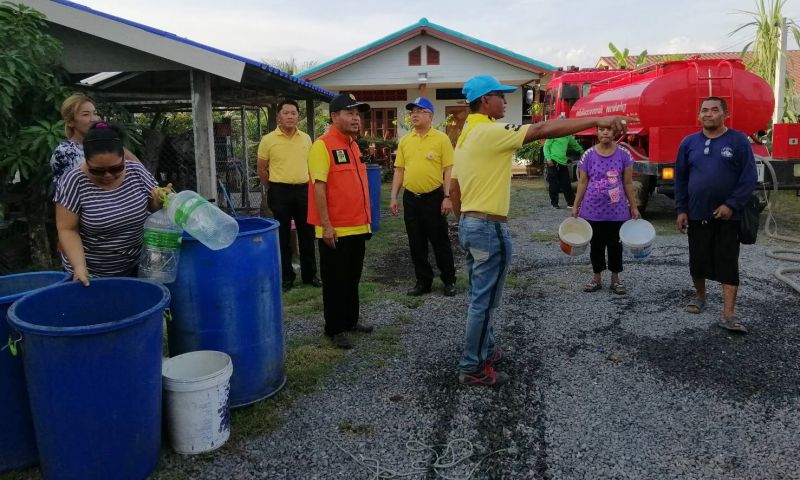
346	100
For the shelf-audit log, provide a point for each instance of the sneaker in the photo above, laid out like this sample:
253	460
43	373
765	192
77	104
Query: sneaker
341	340
496	357
361	328
418	290
314	282
486	376
556	207
449	289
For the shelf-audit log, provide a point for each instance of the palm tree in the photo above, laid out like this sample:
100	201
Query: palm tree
764	49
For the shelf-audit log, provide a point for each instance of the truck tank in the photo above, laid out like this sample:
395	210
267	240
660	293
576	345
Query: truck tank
669	94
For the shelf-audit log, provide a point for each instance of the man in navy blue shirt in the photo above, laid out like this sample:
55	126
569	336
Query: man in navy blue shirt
715	174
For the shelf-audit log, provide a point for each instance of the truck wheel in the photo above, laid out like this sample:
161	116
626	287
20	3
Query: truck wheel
641	188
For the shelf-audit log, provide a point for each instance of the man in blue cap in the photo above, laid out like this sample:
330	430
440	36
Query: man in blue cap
423	165
480	193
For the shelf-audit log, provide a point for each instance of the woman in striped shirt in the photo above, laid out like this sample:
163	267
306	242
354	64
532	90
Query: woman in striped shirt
101	208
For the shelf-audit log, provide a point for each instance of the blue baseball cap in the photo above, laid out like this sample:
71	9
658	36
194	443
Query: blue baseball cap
420	102
480	85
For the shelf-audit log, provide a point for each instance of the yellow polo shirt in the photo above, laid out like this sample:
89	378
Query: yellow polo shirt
483	157
285	156
319	164
424	159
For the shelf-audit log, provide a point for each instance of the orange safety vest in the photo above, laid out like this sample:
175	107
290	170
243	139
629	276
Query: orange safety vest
347	186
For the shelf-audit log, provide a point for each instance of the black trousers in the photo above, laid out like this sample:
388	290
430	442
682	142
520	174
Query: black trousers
290	202
558	181
340	269
425	223
605	236
714	250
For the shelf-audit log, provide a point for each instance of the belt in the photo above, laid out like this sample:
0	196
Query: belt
420	195
281	184
486	216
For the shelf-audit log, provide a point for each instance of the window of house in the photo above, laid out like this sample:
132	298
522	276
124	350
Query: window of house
415	56
379	122
432	55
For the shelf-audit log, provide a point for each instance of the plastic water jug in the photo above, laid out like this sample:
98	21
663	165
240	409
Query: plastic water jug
160	248
202	220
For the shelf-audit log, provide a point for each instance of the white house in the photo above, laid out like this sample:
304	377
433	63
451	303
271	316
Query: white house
431	61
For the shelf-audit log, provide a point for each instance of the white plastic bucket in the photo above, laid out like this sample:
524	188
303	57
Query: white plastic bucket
637	238
575	234
196	389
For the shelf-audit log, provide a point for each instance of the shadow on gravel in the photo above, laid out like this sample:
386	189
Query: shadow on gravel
760	366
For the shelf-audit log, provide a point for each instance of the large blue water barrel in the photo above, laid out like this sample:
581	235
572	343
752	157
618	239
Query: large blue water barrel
92	358
374	181
17	441
229	300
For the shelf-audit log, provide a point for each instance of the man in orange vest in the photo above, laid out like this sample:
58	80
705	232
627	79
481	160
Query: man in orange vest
338	207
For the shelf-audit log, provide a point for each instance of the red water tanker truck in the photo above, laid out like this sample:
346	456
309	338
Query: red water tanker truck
666	97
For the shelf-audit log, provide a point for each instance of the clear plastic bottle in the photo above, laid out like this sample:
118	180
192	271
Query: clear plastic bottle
202	220
160	248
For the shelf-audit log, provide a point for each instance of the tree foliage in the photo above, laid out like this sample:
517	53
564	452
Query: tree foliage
623	57
31	91
764	48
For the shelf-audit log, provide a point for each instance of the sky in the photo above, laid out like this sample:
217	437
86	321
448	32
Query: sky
557	32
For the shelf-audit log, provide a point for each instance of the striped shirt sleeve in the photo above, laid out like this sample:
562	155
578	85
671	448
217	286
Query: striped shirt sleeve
68	193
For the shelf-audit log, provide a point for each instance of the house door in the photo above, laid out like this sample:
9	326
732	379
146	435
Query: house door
459	114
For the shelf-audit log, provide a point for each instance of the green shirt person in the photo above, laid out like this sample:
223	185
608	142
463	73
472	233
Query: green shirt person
558	178
555	149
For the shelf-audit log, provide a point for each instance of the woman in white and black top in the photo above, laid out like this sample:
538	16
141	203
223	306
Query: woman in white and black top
101	208
79	115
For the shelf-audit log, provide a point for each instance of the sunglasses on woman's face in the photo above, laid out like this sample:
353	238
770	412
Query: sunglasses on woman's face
113	170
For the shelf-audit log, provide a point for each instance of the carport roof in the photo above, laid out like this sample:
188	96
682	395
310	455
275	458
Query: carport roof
143	64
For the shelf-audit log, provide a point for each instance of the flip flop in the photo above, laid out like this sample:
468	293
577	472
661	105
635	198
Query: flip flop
732	325
592	287
696	305
618	288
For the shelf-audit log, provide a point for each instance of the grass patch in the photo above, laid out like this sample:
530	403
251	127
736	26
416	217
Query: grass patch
405	319
379	346
302	301
348	427
308	362
786	210
515	281
545	237
370	292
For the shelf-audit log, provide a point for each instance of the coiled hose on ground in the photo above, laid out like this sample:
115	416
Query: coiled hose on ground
771	230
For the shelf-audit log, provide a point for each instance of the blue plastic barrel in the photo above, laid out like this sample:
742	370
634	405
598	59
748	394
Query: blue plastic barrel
92	358
17	441
374	181
229	300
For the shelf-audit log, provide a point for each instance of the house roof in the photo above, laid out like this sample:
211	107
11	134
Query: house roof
438	31
196	56
792	61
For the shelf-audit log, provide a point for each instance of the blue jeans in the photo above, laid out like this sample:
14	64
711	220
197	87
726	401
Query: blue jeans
488	246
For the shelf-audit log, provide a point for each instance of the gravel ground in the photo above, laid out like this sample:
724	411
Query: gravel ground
603	386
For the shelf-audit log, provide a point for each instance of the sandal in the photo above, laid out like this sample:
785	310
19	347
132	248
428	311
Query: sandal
592	287
618	288
732	325
696	305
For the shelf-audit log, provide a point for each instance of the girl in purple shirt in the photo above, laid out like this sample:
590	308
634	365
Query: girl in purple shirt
604	186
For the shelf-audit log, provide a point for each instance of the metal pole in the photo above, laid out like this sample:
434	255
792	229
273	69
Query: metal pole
780	73
245	165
